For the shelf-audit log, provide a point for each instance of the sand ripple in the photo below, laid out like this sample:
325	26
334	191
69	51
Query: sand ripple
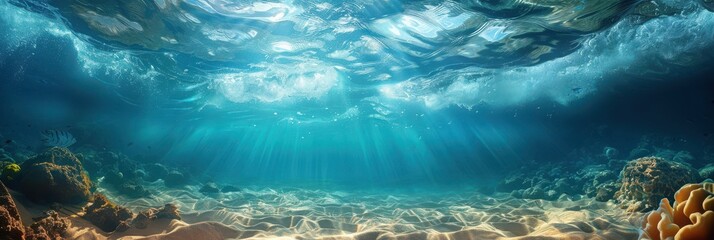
295	213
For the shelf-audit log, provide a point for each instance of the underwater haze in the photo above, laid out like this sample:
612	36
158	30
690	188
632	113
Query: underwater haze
523	105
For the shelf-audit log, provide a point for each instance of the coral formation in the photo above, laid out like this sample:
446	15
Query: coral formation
105	214
10	223
50	226
690	217
54	175
647	180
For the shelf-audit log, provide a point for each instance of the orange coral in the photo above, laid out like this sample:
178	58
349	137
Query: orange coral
690	217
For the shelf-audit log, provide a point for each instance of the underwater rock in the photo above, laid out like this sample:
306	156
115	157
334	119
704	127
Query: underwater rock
92	166
610	152
105	214
10	223
169	211
155	172
133	189
707	172
210	188
49	227
550	182
176	179
142	220
9	171
594	178
54	175
690	217
113	177
606	191
230	189
647	180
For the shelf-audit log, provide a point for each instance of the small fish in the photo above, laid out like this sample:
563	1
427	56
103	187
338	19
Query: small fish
8	141
577	89
129	144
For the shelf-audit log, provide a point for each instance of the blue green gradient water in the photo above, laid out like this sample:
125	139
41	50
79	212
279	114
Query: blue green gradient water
365	93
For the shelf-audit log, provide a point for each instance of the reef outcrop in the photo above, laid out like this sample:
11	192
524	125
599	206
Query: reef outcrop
10	223
107	215
690	217
48	227
645	181
54	175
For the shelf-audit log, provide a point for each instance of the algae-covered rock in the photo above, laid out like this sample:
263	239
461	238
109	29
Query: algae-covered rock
49	226
105	214
9	172
54	175
647	180
10	223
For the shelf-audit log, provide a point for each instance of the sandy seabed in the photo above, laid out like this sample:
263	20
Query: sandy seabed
300	213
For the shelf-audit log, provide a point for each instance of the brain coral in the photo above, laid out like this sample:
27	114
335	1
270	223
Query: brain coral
647	180
690	217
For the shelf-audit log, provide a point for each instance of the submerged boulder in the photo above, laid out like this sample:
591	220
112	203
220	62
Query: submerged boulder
50	226
155	172
10	223
9	171
646	180
209	188
54	175
169	211
105	214
176	179
707	171
142	220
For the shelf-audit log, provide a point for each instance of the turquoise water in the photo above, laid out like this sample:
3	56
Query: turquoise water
369	119
365	93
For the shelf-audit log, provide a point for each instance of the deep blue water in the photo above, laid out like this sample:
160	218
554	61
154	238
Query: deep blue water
364	93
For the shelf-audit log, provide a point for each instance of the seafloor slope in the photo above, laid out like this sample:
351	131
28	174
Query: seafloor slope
98	194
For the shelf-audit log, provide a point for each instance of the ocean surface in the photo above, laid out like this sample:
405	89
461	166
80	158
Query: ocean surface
366	119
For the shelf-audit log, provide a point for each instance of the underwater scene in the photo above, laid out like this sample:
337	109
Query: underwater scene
356	120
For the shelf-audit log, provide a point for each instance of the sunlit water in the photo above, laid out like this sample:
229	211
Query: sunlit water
363	95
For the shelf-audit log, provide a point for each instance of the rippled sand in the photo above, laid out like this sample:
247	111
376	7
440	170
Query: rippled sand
293	213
